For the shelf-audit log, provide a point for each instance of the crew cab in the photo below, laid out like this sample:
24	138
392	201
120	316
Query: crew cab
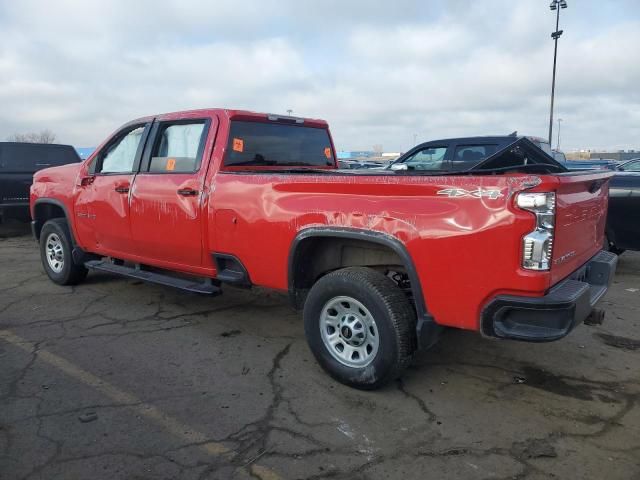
379	261
18	162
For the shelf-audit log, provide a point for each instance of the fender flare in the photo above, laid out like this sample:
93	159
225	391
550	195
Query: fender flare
36	227
427	329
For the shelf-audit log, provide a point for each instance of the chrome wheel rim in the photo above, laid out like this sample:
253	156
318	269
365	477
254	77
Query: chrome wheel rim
54	252
349	332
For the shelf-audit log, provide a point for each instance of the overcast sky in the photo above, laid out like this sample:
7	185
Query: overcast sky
378	71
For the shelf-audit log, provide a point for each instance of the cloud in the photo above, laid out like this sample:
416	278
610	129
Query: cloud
379	72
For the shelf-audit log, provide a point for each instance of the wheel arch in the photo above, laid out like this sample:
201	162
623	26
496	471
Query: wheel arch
299	268
45	209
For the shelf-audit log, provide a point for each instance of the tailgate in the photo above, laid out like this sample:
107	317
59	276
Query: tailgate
581	214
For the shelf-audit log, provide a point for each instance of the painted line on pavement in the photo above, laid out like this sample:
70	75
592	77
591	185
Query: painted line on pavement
170	424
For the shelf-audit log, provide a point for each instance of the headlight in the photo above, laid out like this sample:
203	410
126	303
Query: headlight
537	246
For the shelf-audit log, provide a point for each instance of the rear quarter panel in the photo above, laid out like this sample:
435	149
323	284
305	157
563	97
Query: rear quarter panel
466	248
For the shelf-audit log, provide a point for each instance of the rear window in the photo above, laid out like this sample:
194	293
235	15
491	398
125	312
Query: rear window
273	144
31	157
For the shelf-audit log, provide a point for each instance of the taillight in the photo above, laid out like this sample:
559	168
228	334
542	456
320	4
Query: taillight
537	246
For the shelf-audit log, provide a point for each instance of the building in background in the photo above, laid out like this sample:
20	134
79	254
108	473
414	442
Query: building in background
619	156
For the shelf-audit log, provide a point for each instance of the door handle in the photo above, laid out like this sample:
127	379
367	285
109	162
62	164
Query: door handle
122	189
188	192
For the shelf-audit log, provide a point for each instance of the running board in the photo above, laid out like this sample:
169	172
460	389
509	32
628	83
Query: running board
205	287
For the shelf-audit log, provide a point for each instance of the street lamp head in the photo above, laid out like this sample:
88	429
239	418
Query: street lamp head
563	4
554	4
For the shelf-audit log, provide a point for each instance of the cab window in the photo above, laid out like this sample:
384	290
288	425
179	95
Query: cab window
120	155
178	147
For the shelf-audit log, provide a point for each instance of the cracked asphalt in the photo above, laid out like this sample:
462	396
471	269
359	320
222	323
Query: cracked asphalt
117	379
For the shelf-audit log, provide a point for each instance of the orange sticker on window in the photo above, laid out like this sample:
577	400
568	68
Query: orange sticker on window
327	152
171	164
238	145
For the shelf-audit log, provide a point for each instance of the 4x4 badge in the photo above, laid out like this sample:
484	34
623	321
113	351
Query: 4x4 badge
477	193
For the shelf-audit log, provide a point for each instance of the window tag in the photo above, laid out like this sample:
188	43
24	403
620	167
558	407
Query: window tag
327	152
238	145
171	164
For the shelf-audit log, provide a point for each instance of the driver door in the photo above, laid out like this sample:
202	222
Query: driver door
102	205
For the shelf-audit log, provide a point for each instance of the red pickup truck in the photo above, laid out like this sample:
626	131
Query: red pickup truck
380	261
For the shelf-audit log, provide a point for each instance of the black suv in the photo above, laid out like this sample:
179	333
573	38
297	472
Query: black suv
457	154
18	163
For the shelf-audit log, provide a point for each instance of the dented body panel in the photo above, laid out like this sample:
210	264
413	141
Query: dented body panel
463	233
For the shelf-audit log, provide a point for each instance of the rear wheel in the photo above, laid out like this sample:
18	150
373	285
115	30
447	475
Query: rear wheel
360	326
55	252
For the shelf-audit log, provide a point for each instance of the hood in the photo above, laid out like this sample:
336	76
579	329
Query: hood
46	174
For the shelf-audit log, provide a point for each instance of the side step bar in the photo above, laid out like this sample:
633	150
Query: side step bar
205	287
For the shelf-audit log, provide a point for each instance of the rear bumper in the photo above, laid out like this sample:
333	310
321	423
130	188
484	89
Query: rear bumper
551	317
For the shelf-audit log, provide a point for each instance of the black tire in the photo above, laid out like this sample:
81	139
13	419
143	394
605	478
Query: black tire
610	246
394	316
70	273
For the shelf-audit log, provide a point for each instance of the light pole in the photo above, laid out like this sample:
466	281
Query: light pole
289	112
556	5
558	144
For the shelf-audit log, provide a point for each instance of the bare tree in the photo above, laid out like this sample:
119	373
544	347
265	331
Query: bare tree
44	136
378	150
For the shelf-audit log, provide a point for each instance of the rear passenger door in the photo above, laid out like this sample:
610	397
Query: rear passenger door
166	198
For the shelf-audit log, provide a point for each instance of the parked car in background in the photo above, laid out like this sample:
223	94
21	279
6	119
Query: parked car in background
458	154
18	163
360	164
632	165
594	164
623	220
559	156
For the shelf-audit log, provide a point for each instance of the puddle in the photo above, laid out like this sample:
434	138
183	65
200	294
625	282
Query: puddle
619	342
547	381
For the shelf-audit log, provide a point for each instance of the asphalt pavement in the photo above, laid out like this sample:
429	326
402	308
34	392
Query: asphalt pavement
118	379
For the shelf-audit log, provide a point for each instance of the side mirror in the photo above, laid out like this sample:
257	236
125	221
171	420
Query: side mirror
399	166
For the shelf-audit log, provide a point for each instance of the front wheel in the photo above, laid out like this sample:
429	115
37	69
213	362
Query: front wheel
360	326
55	252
